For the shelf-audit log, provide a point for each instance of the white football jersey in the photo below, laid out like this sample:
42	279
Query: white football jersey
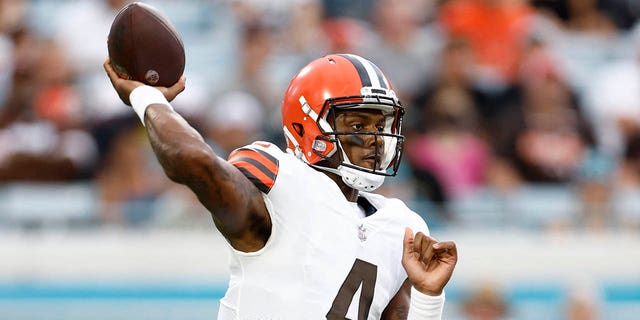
322	260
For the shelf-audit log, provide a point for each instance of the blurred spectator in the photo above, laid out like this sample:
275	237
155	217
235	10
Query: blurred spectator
550	146
624	13
584	15
487	41
495	112
129	180
403	44
553	137
41	123
495	29
305	34
582	301
344	35
12	15
234	121
450	148
264	67
493	117
485	302
583	41
612	106
621	13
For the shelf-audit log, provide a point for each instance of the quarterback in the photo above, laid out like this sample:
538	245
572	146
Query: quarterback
308	238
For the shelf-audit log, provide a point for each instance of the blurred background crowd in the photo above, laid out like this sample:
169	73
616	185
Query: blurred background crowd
520	114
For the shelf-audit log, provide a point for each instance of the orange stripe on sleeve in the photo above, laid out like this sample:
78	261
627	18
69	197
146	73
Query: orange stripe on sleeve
258	166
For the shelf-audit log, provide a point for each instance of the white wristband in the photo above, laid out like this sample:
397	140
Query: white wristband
144	96
425	307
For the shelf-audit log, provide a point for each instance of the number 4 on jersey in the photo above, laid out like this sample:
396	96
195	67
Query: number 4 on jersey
364	273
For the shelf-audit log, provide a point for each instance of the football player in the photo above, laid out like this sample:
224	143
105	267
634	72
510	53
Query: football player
308	238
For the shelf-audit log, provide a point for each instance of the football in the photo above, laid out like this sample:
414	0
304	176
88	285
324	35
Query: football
144	46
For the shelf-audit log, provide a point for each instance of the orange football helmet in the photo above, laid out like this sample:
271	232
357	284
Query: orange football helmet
342	82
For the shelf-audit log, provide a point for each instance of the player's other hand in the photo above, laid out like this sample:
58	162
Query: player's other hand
429	263
125	86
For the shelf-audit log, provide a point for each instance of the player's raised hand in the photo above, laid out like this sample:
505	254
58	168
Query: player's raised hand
429	263
124	86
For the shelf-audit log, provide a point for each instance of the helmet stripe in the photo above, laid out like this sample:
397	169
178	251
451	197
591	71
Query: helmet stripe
369	73
381	78
362	71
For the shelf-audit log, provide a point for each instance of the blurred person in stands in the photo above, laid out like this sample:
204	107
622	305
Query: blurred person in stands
267	55
344	34
451	147
485	302
624	13
404	43
586	16
614	112
552	138
583	301
495	30
234	120
594	14
128	182
487	127
493	34
257	43
583	36
304	30
304	228
42	137
457	68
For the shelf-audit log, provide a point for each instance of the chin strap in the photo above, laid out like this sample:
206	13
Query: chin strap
356	179
359	180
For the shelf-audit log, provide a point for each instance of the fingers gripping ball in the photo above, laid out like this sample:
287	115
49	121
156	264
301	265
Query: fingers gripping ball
144	46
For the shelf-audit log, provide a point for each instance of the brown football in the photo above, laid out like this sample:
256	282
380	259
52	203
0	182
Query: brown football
144	46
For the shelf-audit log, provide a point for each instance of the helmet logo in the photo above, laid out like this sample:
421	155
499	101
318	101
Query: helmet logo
319	145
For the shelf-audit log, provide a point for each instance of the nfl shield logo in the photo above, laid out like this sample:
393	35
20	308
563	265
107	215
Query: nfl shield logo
362	233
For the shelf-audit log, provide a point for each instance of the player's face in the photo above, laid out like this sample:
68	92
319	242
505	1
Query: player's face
364	150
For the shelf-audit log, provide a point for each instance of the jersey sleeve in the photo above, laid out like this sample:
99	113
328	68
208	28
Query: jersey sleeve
257	164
